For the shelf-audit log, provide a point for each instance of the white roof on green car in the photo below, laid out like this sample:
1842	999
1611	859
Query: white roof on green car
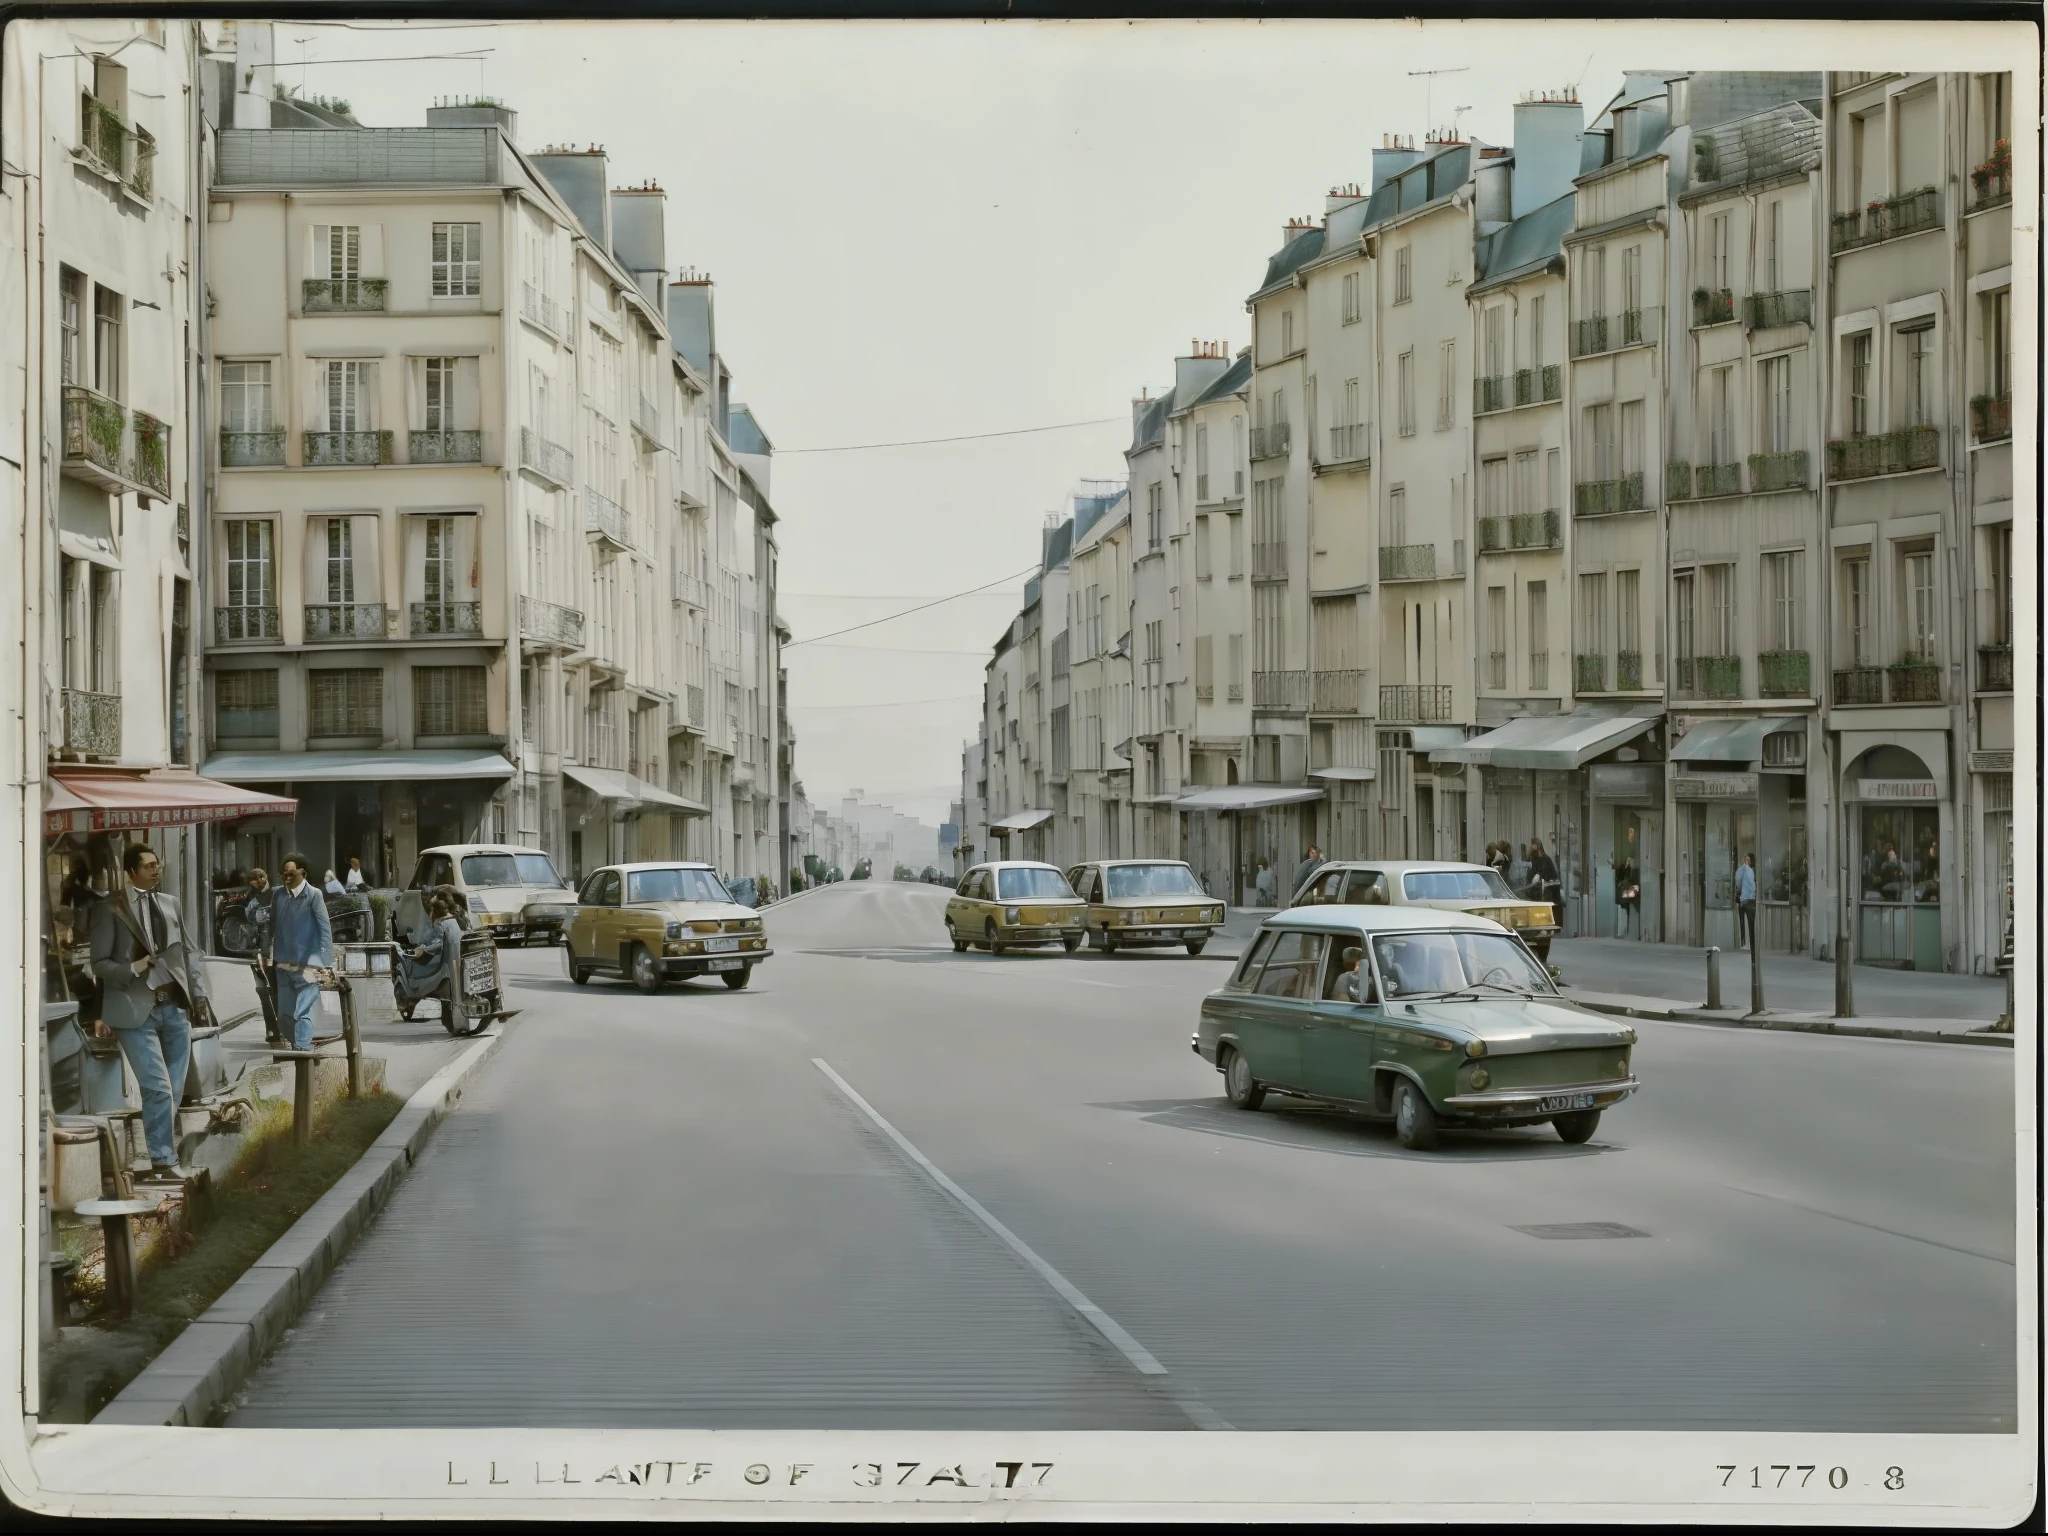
1377	919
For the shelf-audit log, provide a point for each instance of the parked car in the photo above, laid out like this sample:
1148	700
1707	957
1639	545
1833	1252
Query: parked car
653	923
513	893
1015	904
1447	887
1144	904
1456	1023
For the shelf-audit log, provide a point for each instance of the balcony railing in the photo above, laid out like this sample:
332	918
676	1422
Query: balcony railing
1496	669
1347	443
328	448
1784	674
1640	327
1718	480
1884	453
1717	677
1535	385
115	449
551	461
1789	306
1414	703
647	421
1859	685
1777	471
245	622
1589	673
1536	530
445	447
344	621
1491	394
1590	498
605	521
1912	682
464	618
690	591
250	450
1407	562
1493	535
344	295
1712	306
1991	185
1272	442
1678	480
105	136
1284	692
1991	418
152	453
540	309
1269	561
1994	669
1628	670
1338	693
550	624
92	724
693	699
1589	336
1907	214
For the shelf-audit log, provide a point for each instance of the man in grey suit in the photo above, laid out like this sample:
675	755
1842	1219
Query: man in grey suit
150	988
301	946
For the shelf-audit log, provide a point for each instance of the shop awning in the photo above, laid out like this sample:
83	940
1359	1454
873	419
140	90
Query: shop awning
1245	797
1556	743
1731	741
356	767
1342	775
1432	738
612	784
1023	821
111	799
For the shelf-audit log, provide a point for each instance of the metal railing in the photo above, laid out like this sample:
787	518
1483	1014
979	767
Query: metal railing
1678	480
1341	692
551	461
1589	673
1590	498
1628	670
1407	562
249	621
1912	682
1717	677
1788	306
1717	480
104	136
1994	188
343	295
550	623
540	309
1859	685
1994	669
1777	471
446	447
1536	385
1784	674
605	520
96	431
1286	692
1414	703
152	452
647	420
1269	561
1589	336
1641	327
1712	306
1272	442
465	618
1493	535
344	621
1884	453
1991	417
1496	669
248	450
1536	530
329	448
1491	394
689	590
1907	214
92	724
1539	669
1347	443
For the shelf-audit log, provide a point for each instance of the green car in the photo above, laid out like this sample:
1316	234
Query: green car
1426	1018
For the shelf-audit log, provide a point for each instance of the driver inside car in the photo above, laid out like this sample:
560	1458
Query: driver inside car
1351	984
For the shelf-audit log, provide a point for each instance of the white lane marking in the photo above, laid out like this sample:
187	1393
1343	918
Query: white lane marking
1139	1356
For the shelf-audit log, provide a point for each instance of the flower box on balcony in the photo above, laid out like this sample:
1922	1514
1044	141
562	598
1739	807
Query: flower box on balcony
1991	418
1718	480
1493	534
1535	530
1791	306
1777	471
1712	306
1784	674
343	295
1589	336
1859	685
1885	453
1490	394
1590	498
1525	386
1718	677
1628	670
1913	682
1589	674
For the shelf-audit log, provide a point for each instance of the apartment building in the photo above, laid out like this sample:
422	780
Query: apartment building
1055	750
1100	677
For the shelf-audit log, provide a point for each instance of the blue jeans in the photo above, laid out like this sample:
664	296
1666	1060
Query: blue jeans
158	1051
296	1000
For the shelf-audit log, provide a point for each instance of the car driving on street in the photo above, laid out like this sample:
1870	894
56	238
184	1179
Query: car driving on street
1426	1018
1145	903
513	892
1447	887
1015	905
654	923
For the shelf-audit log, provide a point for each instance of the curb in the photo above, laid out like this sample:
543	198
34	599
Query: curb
1683	1015
207	1363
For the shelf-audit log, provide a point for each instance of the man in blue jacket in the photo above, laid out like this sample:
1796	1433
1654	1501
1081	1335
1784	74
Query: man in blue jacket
301	946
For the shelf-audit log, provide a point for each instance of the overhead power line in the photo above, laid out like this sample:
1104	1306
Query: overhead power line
920	608
965	437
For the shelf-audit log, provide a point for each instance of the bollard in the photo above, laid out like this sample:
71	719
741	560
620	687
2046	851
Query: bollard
1713	977
1756	972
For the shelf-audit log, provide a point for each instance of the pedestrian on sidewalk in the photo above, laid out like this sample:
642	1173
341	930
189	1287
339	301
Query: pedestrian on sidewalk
1310	863
1745	898
1263	886
301	946
150	994
1543	870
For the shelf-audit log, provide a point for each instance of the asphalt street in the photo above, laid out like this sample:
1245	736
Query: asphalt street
664	1211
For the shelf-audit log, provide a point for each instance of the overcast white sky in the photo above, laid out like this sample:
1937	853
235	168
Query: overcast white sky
920	230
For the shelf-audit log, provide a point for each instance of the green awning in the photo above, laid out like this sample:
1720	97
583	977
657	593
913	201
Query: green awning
1552	743
1739	740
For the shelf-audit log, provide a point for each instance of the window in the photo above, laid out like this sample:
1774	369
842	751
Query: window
1773	243
1998	622
1235	677
1493	488
343	252
1553	480
1631	437
1721	416
345	701
245	704
1593	614
1351	403
1920	139
1916	579
1269	628
1205	666
1526	489
1279	404
1536	331
1155	640
106	341
1994	100
1396	532
1202	462
449	701
1998	342
250	555
1539	634
1447	382
348	396
341	560
1916	376
439	393
1776	385
1155	515
1717	252
1719	591
1683	614
1598	422
70	301
1628	632
1632	279
1497	637
1286	331
1351	298
1204	555
1496	331
1237	543
1859	384
1405	373
1856	615
1237	451
458	260
1403	288
245	397
441	578
1594	290
1781	597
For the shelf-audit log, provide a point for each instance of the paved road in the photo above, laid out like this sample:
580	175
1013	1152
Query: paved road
659	1211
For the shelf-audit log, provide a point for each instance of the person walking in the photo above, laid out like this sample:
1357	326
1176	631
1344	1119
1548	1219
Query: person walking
151	990
1745	898
1311	862
1543	871
301	946
1263	892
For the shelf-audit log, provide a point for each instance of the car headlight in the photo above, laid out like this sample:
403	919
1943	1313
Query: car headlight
1012	915
1479	1078
675	930
1215	914
1475	1047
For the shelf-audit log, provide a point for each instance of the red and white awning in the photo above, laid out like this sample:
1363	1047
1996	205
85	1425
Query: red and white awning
124	799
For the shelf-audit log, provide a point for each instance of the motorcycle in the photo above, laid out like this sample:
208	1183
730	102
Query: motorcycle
473	1000
241	922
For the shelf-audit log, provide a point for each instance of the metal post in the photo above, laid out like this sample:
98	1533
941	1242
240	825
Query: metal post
302	1100
1713	976
1845	985
351	1037
1756	968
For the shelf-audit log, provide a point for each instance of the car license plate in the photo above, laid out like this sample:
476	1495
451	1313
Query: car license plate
1558	1101
720	946
478	973
726	965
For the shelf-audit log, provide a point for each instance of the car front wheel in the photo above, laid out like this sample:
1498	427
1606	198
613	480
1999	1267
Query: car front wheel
1195	946
646	973
1414	1120
739	978
1579	1127
959	944
1243	1090
995	945
1108	942
1072	941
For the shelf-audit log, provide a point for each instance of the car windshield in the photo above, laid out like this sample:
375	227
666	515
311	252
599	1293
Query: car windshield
675	885
1429	964
536	869
1033	885
1455	885
489	869
1127	881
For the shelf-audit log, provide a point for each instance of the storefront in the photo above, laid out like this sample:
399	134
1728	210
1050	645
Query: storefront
615	817
1346	821
1255	822
1897	812
1738	789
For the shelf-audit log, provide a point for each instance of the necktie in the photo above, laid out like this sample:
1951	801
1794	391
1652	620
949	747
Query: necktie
157	932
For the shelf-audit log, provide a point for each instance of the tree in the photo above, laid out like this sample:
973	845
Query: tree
903	872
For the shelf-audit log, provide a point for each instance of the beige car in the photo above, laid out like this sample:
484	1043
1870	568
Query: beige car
653	923
1014	905
1470	888
1145	904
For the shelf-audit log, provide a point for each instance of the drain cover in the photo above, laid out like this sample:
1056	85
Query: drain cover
1582	1229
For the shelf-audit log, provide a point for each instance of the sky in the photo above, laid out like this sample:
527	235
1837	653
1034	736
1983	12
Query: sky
925	230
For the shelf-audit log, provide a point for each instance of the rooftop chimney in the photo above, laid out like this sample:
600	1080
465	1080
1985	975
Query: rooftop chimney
1206	362
1341	197
474	112
1295	229
1548	130
578	175
1391	159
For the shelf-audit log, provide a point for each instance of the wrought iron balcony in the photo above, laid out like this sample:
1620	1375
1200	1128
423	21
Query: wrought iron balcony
1678	480
1628	670
92	725
446	447
1536	385
1589	673
96	439
1591	498
1414	703
693	697
1536	530
605	521
343	295
647	420
248	621
1493	535
1912	682
1491	394
1784	674
1338	693
251	450
1884	453
1347	445
1407	562
1777	471
1991	418
1994	669
1553	381
152	453
1589	336
1789	306
1859	685
1907	214
689	591
1641	327
550	625
1718	480
447	618
1717	677
344	621
1712	306
104	136
1281	692
551	461
329	448
1992	185
540	309
1269	561
1272	442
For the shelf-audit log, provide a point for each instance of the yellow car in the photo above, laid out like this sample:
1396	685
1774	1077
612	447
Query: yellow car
1014	905
1469	888
1145	903
652	923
